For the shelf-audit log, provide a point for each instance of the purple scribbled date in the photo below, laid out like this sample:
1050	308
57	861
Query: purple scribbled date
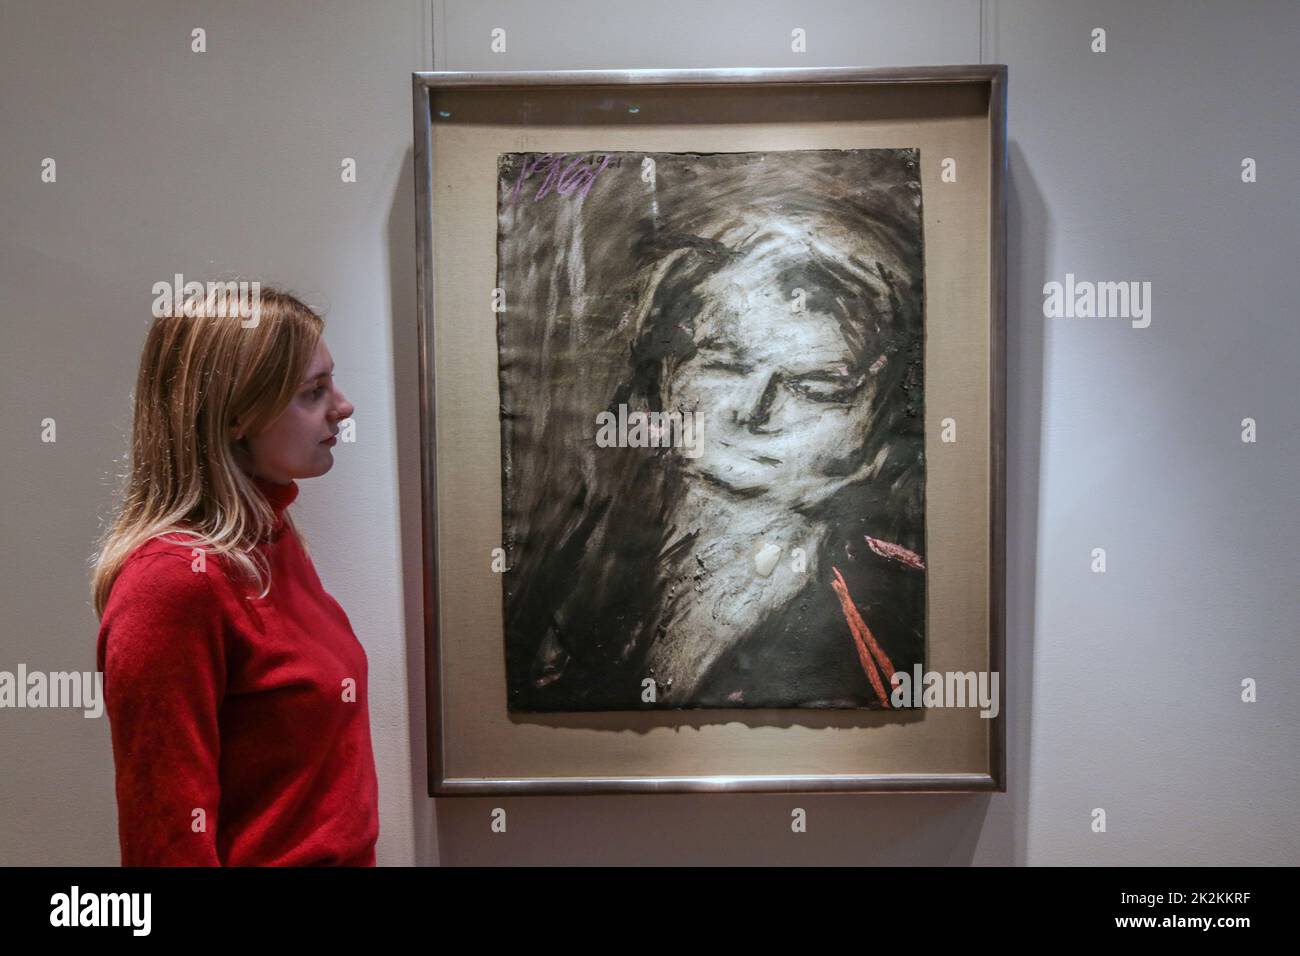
559	173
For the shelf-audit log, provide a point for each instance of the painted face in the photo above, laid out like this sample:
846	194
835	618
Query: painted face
782	406
294	445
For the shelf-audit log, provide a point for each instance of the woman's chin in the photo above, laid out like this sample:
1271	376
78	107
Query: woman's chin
324	461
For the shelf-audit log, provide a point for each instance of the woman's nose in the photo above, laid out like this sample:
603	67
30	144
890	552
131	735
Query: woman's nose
755	408
343	408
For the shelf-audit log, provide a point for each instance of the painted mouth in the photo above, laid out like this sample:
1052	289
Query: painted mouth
331	441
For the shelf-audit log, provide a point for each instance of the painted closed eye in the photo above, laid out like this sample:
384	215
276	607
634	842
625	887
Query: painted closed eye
826	386
740	368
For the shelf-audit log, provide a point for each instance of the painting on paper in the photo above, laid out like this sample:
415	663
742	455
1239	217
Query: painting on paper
711	371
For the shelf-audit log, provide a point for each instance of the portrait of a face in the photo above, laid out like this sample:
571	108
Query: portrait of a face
711	371
779	391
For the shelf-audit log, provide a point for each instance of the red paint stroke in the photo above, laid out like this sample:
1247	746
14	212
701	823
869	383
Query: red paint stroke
863	639
895	551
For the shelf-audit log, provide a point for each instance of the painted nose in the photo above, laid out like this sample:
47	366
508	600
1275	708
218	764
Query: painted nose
755	413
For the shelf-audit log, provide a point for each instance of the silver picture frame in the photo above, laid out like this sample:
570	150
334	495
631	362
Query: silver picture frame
425	88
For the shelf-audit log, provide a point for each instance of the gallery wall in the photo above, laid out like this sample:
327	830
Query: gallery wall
1124	687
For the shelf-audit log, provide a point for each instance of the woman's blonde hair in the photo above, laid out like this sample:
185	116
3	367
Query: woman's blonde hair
199	375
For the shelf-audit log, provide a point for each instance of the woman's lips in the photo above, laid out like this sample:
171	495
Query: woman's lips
331	441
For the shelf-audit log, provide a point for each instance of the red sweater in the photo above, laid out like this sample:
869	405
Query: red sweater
239	708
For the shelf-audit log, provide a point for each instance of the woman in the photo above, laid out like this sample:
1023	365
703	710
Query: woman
781	564
235	687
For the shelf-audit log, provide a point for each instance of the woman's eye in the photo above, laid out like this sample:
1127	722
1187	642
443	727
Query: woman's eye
317	392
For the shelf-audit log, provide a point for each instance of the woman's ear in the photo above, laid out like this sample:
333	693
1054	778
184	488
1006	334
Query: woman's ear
239	446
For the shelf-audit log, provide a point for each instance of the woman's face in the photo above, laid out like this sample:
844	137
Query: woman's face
294	445
782	408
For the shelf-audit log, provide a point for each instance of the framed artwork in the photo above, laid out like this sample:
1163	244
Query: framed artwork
713	428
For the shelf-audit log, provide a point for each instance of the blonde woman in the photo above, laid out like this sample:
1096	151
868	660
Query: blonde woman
235	687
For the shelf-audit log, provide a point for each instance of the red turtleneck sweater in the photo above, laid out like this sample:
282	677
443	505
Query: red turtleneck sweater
241	729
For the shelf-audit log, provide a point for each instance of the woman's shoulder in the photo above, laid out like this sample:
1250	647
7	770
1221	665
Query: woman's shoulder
167	614
167	551
171	571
